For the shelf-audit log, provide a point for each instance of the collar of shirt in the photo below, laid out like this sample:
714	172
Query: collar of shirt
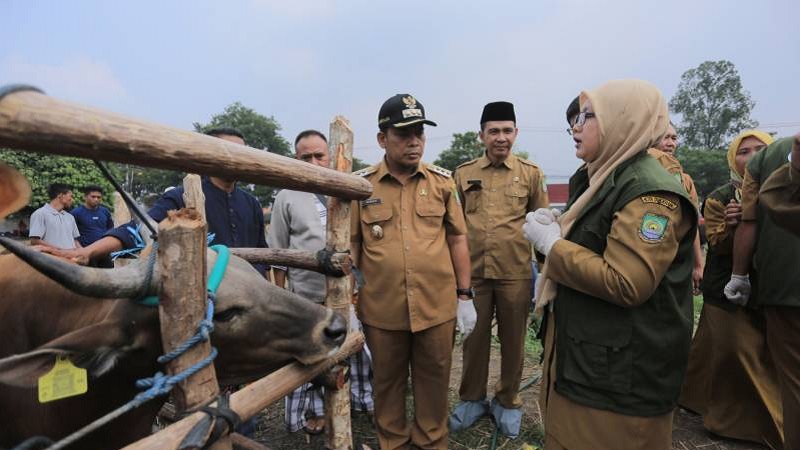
383	170
49	208
486	162
212	186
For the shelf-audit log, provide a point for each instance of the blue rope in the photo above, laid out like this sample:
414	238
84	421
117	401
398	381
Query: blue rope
160	384
138	244
205	328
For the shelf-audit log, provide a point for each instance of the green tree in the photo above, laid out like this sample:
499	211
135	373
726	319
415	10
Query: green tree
260	132
464	147
42	170
709	169
359	164
713	105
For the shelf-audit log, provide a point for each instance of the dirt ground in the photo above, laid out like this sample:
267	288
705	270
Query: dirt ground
688	432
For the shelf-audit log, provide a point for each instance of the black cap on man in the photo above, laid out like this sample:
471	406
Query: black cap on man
498	111
402	110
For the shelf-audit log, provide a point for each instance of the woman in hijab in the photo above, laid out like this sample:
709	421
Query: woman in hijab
731	378
617	281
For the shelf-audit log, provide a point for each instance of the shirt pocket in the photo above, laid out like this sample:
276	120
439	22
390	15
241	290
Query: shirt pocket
429	219
472	196
375	224
517	197
600	357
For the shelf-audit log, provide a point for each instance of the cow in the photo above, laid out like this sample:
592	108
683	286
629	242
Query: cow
50	306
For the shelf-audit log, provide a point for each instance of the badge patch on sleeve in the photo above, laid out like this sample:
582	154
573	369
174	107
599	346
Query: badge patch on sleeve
653	227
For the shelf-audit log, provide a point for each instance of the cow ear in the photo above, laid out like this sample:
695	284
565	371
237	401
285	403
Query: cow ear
96	348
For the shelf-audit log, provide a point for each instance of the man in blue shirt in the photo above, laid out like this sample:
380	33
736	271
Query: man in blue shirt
93	220
234	216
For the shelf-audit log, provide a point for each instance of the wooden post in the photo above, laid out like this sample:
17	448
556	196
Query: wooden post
121	215
337	402
254	397
35	122
302	259
193	196
182	263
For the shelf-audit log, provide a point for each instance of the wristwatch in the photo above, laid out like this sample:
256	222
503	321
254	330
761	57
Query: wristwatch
469	292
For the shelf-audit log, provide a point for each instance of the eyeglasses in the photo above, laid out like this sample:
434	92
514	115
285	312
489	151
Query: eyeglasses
580	120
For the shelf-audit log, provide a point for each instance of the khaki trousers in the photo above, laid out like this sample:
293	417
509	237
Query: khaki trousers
783	340
428	353
731	378
509	301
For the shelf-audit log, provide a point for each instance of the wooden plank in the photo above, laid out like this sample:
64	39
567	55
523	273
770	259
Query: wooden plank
302	259
244	443
182	305
338	429
254	397
35	122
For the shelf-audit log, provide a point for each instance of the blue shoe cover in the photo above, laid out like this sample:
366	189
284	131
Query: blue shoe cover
465	414
506	420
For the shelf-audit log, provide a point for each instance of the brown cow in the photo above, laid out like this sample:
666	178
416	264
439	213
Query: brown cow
258	327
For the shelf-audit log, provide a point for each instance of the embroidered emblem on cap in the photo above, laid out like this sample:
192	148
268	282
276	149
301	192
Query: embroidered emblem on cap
653	227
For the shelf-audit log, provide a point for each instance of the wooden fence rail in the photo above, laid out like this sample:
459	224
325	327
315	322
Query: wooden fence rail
254	397
35	122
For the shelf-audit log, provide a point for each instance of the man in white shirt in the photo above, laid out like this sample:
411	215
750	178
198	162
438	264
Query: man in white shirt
51	225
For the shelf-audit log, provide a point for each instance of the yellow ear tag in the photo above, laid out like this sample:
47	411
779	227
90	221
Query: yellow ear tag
64	380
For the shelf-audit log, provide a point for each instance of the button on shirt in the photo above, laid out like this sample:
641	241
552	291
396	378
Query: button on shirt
401	231
235	218
496	199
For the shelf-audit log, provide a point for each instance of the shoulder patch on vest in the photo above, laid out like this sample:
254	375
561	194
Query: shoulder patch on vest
659	201
440	170
366	171
653	227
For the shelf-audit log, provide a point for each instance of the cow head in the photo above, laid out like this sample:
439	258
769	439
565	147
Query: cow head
258	326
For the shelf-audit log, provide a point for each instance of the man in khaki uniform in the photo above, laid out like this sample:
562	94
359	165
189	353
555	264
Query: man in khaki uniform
409	239
497	189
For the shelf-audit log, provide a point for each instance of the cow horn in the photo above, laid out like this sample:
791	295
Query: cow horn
123	282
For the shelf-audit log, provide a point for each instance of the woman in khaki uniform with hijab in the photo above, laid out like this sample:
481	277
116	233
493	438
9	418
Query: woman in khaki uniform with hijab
731	378
617	282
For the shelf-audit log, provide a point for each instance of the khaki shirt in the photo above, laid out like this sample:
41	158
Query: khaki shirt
404	256
631	268
496	200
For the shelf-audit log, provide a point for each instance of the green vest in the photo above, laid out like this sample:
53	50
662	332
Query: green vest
777	250
626	360
719	265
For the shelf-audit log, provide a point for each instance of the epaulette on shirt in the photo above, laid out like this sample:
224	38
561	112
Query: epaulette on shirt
530	163
440	170
366	171
472	161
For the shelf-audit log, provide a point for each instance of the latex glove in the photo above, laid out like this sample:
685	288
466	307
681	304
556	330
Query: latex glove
466	316
541	235
738	289
544	216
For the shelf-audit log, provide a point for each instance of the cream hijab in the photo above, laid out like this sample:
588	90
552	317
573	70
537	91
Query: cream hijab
632	116
734	147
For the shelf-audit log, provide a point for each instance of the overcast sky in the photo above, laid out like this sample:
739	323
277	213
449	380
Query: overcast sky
303	62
